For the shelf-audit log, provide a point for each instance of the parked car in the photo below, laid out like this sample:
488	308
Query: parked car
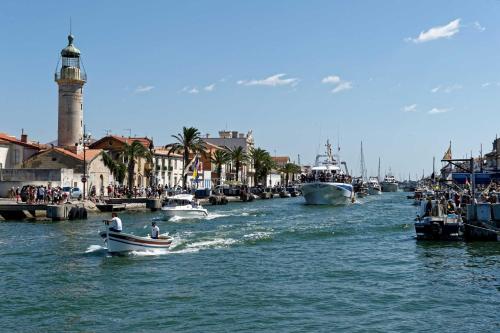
72	192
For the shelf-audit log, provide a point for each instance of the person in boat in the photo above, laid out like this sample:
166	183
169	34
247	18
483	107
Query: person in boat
115	223
155	231
451	208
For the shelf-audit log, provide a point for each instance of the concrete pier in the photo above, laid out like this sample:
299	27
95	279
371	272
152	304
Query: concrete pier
153	204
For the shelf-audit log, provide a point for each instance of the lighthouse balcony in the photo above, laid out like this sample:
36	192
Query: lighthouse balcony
70	74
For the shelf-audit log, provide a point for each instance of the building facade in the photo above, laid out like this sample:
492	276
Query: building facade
14	152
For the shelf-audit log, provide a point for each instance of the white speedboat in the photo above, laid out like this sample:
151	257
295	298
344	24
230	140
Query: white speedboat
327	183
183	205
122	242
389	184
374	186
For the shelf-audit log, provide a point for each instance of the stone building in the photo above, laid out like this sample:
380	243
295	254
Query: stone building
492	159
167	168
57	158
14	152
231	140
114	145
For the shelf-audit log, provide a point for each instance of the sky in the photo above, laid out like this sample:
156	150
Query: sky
404	77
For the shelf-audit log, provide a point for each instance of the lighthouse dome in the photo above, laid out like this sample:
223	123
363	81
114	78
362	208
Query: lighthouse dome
70	51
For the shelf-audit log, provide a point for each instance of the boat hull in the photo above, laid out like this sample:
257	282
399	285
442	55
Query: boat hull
389	187
439	229
320	193
374	191
121	242
184	213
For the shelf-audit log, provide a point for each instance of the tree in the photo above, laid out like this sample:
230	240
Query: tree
239	158
117	168
262	163
131	153
219	158
189	141
290	168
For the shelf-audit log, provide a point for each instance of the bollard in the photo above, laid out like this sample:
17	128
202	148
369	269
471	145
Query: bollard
57	212
153	204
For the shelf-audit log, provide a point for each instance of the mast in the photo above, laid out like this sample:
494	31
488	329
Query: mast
362	164
378	174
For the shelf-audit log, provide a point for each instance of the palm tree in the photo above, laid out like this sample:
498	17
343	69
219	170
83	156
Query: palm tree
219	158
238	157
116	167
290	168
189	141
257	156
131	153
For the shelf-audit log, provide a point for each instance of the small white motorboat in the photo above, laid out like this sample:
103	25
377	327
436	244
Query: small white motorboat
122	242
183	205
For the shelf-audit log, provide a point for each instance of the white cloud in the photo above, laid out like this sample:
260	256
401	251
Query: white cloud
445	31
271	81
331	79
342	86
446	89
141	89
193	90
410	108
210	87
478	26
486	84
438	110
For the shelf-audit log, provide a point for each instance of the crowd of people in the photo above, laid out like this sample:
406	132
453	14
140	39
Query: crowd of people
40	194
323	176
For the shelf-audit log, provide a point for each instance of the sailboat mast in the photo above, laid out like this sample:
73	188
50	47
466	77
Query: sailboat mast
378	175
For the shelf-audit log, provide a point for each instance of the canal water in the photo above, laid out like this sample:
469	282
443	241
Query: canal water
267	266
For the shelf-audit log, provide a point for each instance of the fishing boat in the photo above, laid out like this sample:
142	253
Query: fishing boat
183	205
389	184
121	242
374	187
432	223
327	183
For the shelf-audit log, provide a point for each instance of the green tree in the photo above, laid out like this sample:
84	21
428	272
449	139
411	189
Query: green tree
189	141
220	158
130	154
262	163
239	158
290	169
117	168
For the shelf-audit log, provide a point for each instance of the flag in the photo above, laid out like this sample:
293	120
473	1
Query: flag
447	154
195	168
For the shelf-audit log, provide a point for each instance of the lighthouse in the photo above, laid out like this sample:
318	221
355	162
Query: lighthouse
70	78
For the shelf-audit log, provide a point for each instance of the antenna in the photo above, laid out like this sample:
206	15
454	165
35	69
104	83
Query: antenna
70	30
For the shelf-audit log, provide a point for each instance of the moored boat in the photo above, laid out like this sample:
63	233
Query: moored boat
374	187
433	223
123	242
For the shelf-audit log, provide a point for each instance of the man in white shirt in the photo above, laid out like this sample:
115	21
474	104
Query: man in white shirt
115	223
155	231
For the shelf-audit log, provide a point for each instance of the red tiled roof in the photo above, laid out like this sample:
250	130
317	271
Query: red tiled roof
164	152
281	159
146	142
12	139
90	154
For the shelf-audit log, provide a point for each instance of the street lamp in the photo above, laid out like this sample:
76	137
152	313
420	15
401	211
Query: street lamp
85	140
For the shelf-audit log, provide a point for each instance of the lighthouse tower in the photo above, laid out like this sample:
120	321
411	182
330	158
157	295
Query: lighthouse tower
70	79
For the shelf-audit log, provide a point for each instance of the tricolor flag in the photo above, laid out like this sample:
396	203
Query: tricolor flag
195	168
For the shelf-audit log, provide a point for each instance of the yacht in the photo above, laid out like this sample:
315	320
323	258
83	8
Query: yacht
374	186
183	205
327	183
389	184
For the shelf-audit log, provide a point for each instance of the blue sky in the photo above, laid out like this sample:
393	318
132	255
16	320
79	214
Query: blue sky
404	77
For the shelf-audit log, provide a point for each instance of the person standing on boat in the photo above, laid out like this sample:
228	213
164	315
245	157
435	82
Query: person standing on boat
115	223
155	231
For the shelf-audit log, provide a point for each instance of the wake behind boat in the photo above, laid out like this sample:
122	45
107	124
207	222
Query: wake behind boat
183	205
121	242
327	183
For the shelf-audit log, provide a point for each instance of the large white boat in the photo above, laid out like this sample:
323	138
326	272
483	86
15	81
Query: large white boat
121	242
327	183
389	184
374	186
183	205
